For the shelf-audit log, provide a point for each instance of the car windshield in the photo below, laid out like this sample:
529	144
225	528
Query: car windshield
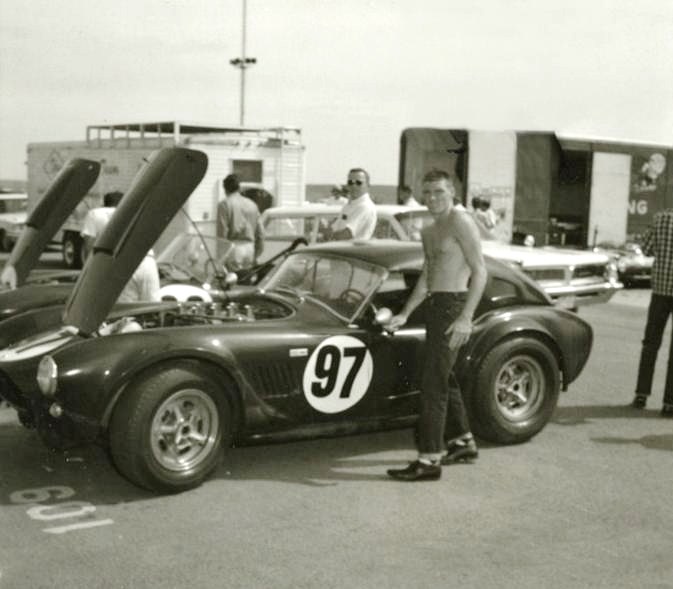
193	256
13	205
343	285
413	221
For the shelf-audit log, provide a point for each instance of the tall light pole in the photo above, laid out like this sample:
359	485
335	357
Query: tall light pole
243	63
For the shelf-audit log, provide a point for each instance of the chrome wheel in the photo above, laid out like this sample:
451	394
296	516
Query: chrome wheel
184	430
519	388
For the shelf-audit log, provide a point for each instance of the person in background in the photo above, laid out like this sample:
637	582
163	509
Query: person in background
357	219
337	196
96	219
238	220
144	284
658	242
490	218
406	198
482	218
450	285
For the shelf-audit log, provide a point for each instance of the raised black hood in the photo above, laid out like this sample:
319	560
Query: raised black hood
158	191
65	192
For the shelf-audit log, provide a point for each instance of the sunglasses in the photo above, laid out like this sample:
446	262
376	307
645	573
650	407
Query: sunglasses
358	182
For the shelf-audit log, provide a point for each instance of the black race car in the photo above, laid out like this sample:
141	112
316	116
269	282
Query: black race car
167	386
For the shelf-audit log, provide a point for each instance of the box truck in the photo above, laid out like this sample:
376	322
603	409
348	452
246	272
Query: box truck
269	161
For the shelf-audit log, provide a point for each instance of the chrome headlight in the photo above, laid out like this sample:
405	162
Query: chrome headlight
47	376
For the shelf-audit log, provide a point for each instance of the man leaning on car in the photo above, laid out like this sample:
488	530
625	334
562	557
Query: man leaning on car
357	219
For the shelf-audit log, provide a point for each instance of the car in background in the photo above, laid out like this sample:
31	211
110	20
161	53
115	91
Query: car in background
633	266
570	277
13	214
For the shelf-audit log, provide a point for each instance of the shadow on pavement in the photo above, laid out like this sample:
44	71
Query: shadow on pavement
583	413
27	463
654	442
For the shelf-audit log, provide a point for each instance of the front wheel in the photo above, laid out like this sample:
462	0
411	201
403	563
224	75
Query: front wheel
167	432
515	392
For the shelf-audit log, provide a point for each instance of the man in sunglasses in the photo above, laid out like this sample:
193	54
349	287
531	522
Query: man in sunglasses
357	219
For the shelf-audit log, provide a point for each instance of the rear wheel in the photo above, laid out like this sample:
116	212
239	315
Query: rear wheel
167	432
516	391
72	250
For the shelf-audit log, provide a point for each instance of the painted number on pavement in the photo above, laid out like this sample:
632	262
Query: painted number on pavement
337	374
58	512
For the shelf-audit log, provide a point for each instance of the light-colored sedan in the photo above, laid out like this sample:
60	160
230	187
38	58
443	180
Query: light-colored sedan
570	277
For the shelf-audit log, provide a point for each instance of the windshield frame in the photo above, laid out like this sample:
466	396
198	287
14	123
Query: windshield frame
270	282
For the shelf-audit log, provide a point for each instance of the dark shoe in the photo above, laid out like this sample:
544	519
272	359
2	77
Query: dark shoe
461	451
639	402
667	410
417	471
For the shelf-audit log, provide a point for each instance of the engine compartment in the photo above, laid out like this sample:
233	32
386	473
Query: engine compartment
181	314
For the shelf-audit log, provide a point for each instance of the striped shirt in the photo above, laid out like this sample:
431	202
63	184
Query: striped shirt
658	242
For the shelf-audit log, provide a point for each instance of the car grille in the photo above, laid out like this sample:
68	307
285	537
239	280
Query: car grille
543	274
589	271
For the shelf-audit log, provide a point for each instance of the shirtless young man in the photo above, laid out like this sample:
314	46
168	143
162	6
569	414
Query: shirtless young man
452	260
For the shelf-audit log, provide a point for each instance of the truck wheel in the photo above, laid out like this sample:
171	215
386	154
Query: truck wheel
72	250
167	432
516	391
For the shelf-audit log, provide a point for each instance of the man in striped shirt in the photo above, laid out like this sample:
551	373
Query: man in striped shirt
657	242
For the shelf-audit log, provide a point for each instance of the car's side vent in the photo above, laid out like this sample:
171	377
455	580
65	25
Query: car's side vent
276	379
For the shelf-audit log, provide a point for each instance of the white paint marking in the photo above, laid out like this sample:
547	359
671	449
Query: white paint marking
79	526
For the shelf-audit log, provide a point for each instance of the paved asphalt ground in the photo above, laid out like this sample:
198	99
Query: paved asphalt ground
585	504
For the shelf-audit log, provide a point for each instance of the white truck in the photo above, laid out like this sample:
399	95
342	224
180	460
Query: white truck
269	161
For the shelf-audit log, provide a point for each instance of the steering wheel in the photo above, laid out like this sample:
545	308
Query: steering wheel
351	296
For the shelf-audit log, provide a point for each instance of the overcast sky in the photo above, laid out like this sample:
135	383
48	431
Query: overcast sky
352	74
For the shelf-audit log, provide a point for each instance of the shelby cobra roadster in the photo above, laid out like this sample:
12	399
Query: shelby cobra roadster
167	386
304	354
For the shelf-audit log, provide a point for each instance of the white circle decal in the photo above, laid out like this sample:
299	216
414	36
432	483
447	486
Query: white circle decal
337	375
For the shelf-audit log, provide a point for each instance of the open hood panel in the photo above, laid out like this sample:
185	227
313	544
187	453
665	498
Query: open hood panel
158	191
64	193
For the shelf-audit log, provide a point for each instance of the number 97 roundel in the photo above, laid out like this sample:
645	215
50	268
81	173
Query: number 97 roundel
337	375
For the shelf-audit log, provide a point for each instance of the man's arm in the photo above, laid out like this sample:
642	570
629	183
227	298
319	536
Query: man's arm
222	227
467	235
339	234
149	281
259	239
415	298
88	234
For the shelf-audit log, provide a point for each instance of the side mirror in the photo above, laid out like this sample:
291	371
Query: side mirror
383	316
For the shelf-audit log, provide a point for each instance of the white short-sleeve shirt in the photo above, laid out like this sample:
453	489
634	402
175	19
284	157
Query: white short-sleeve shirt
96	220
359	216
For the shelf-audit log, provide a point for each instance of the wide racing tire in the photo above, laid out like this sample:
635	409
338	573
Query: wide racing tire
167	431
515	392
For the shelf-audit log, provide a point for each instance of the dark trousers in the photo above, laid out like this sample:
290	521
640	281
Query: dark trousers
657	315
442	412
